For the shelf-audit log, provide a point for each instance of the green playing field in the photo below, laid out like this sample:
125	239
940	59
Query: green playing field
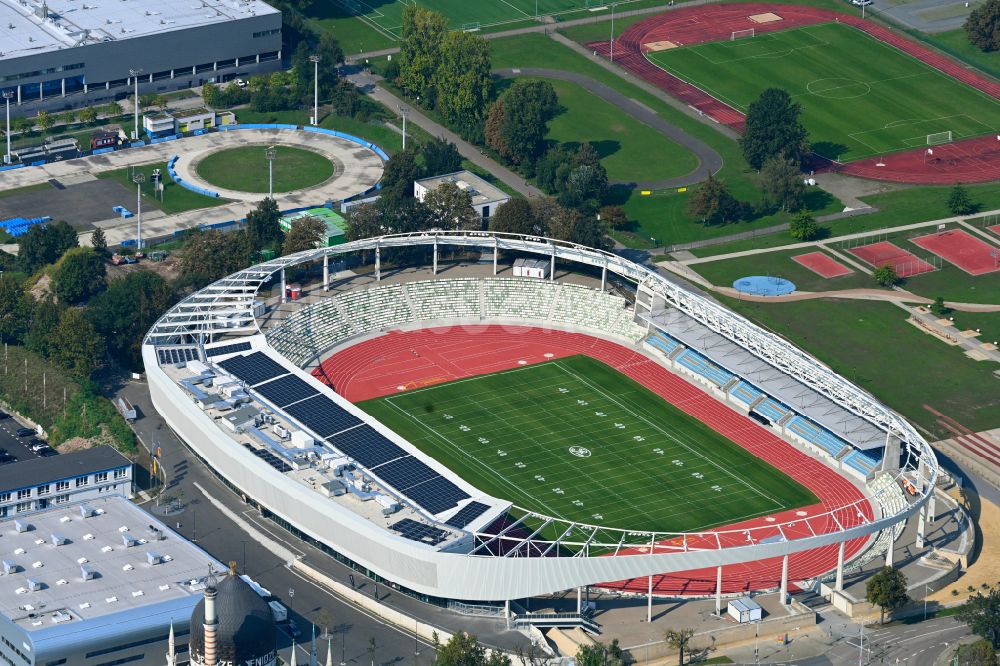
860	97
575	439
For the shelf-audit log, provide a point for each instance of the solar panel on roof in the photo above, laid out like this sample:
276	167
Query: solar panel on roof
285	390
414	531
322	415
174	356
467	514
253	368
437	495
367	446
227	349
404	473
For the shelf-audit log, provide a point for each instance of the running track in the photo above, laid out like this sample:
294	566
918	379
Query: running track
380	366
970	160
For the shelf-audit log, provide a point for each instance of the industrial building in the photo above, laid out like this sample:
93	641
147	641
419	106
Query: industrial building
486	198
63	53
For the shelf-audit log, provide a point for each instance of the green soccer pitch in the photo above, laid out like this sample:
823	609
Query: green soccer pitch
575	439
859	96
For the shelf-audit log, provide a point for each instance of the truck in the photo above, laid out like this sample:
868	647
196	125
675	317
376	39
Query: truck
278	612
126	408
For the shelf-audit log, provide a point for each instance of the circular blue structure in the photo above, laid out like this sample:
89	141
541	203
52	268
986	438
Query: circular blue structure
764	285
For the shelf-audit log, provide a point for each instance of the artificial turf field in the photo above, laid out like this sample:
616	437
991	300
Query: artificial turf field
245	169
860	97
575	439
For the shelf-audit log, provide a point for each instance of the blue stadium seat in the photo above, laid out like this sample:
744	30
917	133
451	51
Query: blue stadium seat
662	343
745	393
702	366
814	434
772	410
863	462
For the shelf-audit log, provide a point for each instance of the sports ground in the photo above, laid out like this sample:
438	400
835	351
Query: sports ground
575	439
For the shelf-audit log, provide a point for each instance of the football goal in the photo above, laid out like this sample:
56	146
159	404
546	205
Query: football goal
471	27
741	34
938	138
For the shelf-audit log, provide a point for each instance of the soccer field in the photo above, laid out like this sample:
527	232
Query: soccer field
859	96
575	439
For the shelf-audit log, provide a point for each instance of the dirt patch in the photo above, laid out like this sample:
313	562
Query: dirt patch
41	288
766	17
664	45
167	268
986	567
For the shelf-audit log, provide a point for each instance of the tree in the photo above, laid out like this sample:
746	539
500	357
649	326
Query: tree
803	227
980	653
21	125
959	202
364	221
614	216
440	157
982	27
75	344
518	122
451	208
400	173
112	109
679	639
99	242
125	311
585	187
78	275
713	203
464	650
774	128
210	255
13	317
210	95
44	317
263	228
43	244
887	590
419	53
571	225
44	120
463	82
982	613
598	654
781	184
886	275
87	115
516	217
306	233
938	307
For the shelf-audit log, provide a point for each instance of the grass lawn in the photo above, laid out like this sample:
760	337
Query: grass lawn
871	344
850	109
176	199
956	44
375	132
780	264
987	322
242	169
575	439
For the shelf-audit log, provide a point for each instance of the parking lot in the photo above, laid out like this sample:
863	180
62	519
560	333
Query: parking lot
14	445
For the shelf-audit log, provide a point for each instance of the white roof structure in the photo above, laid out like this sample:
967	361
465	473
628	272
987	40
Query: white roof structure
29	27
93	572
482	192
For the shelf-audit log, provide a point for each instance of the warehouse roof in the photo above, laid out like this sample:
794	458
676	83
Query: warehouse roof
29	473
38	26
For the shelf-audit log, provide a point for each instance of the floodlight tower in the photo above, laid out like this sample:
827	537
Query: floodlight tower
314	59
134	73
8	95
270	153
138	178
403	110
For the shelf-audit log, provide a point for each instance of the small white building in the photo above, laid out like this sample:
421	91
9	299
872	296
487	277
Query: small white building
533	268
744	609
486	198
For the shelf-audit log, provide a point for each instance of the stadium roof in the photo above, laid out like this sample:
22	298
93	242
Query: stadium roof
39	26
28	473
124	578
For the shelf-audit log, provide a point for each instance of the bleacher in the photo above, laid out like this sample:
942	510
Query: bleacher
576	305
889	496
18	226
662	343
861	461
745	393
814	434
772	410
700	365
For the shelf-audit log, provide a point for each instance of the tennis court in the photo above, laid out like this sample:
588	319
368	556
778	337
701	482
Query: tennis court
904	263
822	265
972	255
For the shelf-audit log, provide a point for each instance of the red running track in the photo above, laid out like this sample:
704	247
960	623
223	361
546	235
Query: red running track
822	264
410	359
972	255
970	160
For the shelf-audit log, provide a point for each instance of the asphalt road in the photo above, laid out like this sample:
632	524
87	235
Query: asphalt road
14	445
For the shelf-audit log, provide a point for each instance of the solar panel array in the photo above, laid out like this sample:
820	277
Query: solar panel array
367	446
227	349
175	356
414	531
285	390
322	415
253	368
467	514
271	459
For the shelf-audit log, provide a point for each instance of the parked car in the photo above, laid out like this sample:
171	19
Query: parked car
47	451
26	432
4	415
37	446
6	459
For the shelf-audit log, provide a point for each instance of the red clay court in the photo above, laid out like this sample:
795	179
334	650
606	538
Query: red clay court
972	255
822	264
879	254
995	229
402	360
975	160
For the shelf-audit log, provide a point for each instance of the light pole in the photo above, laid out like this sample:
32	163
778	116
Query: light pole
403	110
270	153
612	58
7	95
314	59
138	178
134	73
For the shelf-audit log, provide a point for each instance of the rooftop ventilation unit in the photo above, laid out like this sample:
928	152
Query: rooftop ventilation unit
61	616
10	567
86	573
21	527
128	540
153	558
33	585
59	540
86	511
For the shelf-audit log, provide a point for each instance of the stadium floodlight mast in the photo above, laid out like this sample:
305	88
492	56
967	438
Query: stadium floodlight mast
138	178
314	59
7	95
612	57
270	153
134	73
403	110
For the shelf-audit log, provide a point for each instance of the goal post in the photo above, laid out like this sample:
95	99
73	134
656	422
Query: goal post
938	138
741	34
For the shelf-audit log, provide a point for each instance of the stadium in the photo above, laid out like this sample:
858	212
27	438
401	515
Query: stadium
490	417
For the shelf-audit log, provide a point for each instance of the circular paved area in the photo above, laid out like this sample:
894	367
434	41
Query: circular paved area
357	168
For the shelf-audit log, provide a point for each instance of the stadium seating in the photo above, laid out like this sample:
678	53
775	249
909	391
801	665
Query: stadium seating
814	434
865	463
889	496
316	327
745	393
698	364
662	343
772	410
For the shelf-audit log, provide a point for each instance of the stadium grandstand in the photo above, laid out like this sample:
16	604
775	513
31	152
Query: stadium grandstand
245	386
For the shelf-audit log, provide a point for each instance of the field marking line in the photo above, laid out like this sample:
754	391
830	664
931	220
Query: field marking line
517	9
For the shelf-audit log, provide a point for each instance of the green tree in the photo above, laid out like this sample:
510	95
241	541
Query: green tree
99	242
263	228
518	122
43	244
125	311
419	53
585	187
440	157
210	95
44	317
306	233
364	221
451	208
571	225
679	639
982	613
87	115
959	202
614	216
21	125
210	255
886	275
78	275
598	654
13	317
516	217
887	590
938	307
982	27
980	653
464	650
781	184
713	203
75	344
774	129
803	227
463	83
112	109
400	173
44	120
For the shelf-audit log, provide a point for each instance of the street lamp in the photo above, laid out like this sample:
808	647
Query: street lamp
270	153
314	59
403	110
138	178
8	95
134	73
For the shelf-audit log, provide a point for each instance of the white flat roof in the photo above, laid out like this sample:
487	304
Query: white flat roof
124	579
482	192
72	23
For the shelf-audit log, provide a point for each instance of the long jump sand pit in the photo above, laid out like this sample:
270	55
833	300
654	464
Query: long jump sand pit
664	45
766	17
